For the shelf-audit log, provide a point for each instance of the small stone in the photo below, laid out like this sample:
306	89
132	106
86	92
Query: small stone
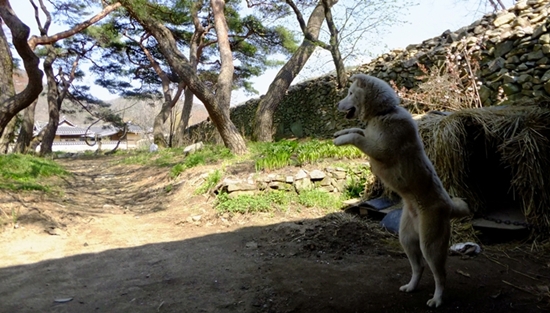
546	76
196	218
535	55
510	89
524	78
504	19
302	185
301	175
193	148
539	30
544	39
251	245
484	93
504	47
317	175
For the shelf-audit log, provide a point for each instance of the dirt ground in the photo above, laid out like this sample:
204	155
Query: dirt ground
122	238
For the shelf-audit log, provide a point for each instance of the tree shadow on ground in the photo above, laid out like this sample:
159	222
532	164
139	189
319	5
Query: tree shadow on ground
313	265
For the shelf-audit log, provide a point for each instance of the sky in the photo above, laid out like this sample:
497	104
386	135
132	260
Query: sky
428	19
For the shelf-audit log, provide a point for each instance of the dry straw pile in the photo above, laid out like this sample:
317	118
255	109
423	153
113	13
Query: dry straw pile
494	157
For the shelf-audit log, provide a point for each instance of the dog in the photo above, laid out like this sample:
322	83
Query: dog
393	145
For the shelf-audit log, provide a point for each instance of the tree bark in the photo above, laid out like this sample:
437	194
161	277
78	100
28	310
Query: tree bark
335	45
225	78
7	90
162	116
26	131
11	104
194	54
263	120
53	104
8	136
168	46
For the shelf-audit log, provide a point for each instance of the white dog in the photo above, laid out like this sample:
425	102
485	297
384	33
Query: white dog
397	157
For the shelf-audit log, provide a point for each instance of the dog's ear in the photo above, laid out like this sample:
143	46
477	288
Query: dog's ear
359	80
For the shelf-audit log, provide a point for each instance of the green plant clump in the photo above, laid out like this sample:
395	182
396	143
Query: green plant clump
319	199
210	182
288	152
275	200
26	172
208	155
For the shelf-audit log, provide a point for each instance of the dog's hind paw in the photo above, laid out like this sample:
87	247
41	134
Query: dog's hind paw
434	302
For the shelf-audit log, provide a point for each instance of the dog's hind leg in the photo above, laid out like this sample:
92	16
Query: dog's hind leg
434	242
410	240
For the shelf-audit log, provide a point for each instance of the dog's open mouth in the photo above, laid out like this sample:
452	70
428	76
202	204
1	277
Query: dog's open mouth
351	113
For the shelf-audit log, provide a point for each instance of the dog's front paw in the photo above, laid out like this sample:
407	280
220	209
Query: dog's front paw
343	140
434	302
407	288
349	131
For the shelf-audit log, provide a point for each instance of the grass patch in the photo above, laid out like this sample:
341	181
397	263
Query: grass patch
271	156
26	172
276	200
211	181
174	158
268	201
319	199
356	180
210	154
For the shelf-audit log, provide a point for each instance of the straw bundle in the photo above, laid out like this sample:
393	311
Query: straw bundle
494	157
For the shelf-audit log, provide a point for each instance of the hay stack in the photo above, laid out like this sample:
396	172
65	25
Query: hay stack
494	157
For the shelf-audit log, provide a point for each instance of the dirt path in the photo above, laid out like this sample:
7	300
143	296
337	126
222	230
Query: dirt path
127	239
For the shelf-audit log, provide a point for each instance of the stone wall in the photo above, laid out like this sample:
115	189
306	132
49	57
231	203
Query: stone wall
512	48
331	179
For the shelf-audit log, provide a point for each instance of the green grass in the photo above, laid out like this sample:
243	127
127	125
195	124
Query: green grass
356	181
26	172
174	158
320	199
268	201
210	182
275	200
293	153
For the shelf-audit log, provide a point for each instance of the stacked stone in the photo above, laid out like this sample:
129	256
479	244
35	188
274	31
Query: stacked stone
331	179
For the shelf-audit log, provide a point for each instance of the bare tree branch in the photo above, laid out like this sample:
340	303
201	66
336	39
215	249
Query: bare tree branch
44	40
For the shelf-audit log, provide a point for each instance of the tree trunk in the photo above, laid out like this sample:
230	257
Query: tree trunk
53	104
162	116
263	121
225	78
7	90
8	136
179	139
335	46
196	40
27	128
11	104
167	45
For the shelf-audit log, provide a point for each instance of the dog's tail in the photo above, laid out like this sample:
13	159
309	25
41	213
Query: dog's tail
460	208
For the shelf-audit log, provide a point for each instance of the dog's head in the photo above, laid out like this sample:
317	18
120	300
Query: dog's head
367	97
